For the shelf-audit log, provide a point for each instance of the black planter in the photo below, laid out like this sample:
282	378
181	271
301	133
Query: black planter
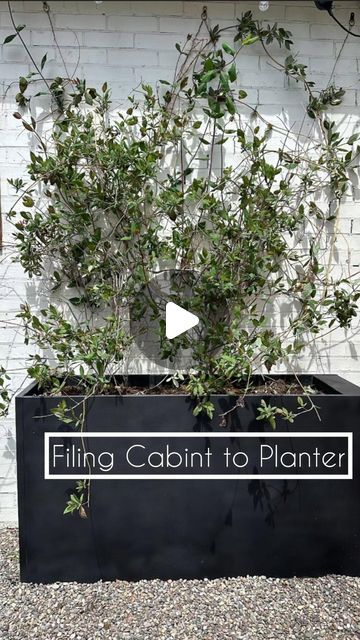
190	528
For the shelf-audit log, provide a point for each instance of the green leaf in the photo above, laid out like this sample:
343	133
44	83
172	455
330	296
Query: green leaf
249	40
353	138
28	201
228	49
27	126
10	38
23	84
224	81
232	73
230	105
208	76
43	61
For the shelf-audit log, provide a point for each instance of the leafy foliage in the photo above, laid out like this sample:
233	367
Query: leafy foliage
125	195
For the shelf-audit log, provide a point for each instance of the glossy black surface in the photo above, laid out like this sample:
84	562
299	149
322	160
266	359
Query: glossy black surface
140	529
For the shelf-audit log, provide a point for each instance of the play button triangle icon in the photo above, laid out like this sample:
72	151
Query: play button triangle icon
178	320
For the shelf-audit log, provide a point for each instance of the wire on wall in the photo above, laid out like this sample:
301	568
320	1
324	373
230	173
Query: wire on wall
327	5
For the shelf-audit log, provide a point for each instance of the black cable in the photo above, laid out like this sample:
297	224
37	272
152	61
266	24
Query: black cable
357	35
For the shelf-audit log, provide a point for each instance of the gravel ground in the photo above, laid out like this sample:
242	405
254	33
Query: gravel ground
237	608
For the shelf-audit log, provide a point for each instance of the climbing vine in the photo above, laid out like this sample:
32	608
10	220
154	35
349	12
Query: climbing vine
188	177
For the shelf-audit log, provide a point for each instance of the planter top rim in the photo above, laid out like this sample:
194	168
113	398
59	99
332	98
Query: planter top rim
328	385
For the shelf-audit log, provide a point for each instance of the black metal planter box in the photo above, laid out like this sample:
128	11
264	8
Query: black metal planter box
142	528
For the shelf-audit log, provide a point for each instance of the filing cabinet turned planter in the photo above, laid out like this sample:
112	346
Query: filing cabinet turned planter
188	528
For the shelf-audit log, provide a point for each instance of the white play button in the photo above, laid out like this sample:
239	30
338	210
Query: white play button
178	320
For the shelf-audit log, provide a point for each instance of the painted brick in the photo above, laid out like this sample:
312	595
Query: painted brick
121	90
4	6
108	39
268	65
37	20
8	500
10	335
8	517
219	10
275	12
346	81
286	97
111	73
299	30
132	57
132	23
86	56
79	22
35	6
16	42
345	226
157	8
326	32
270	79
350	50
248	63
168	58
355	228
119	8
321	65
323	49
13	71
64	38
153	75
14	54
16	155
295	11
178	25
342	11
156	41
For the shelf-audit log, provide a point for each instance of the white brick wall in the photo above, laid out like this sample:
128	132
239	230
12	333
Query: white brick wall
123	42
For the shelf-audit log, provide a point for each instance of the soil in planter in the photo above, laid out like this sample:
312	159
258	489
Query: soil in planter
270	387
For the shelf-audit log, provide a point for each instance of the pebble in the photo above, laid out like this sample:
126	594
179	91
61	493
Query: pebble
246	608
